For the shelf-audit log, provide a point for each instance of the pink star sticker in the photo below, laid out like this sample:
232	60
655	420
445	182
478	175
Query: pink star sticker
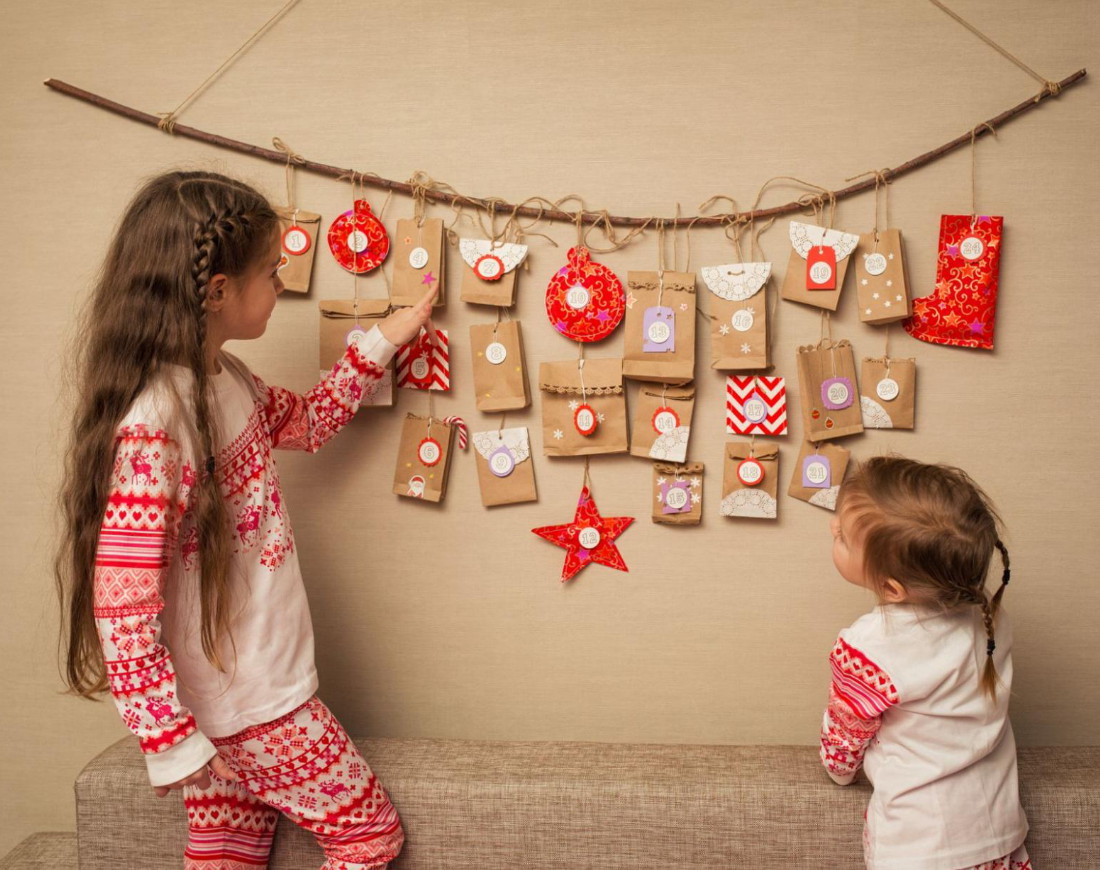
977	327
429	279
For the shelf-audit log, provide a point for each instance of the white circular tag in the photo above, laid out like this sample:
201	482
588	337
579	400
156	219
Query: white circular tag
676	497
496	353
490	268
589	538
839	394
742	320
296	240
750	472
754	410
501	462
820	273
887	389
972	248
659	332
429	451
578	296
875	264
418	258
665	420
817	471
419	368
585	420
353	335
357	241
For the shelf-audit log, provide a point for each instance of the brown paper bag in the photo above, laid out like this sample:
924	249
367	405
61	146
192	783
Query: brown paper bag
337	319
678	493
741	497
807	242
830	396
576	394
505	470
818	474
662	422
423	458
489	277
500	369
298	247
660	327
881	283
739	339
418	264
888	391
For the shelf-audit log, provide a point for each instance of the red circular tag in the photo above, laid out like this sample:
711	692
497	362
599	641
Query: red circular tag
296	240
750	472
489	267
665	420
584	418
429	452
585	300
358	240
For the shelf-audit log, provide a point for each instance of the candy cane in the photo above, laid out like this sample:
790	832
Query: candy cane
463	432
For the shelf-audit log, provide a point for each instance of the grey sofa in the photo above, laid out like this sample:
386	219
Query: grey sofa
503	806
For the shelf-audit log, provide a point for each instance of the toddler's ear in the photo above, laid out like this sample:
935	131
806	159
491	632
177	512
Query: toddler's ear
894	593
215	293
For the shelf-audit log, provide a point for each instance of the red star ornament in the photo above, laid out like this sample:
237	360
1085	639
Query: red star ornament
589	538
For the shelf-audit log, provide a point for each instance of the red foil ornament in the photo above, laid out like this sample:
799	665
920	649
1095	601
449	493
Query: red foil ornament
585	300
358	228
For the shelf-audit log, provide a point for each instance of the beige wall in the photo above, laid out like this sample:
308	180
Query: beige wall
451	622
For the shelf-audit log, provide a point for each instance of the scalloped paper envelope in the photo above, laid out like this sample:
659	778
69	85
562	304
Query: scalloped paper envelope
491	276
739	328
807	240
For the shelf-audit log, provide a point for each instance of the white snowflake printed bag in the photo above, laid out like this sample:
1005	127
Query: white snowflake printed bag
739	316
678	493
583	407
662	422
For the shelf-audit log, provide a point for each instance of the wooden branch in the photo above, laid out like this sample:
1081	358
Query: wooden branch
588	217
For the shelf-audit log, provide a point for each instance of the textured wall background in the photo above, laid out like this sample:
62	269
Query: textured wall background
450	621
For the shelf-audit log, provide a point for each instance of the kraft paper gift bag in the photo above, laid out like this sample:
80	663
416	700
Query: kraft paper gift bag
425	362
882	288
583	407
662	422
660	327
298	242
500	369
489	277
505	470
818	474
830	399
678	493
338	319
423	458
419	261
750	480
818	264
739	338
888	390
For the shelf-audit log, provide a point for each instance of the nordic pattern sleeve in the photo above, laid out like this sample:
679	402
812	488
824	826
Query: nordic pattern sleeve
145	501
307	422
858	696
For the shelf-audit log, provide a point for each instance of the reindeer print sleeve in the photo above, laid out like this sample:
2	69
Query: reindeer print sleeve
860	693
308	422
150	484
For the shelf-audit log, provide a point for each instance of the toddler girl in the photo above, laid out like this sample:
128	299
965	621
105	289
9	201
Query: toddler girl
920	687
178	570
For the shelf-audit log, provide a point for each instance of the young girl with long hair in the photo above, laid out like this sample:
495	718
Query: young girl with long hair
920	688
177	569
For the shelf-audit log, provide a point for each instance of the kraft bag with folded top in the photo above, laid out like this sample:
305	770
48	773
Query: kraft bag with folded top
818	474
338	319
662	422
418	262
660	327
489	276
505	470
739	339
830	397
888	390
298	231
817	266
500	369
583	407
678	493
423	458
750	480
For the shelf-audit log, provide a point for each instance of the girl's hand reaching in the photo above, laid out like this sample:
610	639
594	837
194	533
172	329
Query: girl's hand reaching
200	778
404	324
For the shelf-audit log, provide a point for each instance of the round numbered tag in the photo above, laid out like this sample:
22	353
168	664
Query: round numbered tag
354	334
887	389
742	320
489	268
577	296
416	486
836	393
357	241
418	258
501	461
659	332
875	264
589	538
429	453
496	353
754	409
821	273
296	240
584	418
972	247
676	497
816	472
750	472
419	368
665	420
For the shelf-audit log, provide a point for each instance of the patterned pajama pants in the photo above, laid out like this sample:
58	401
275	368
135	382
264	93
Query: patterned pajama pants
302	765
1018	860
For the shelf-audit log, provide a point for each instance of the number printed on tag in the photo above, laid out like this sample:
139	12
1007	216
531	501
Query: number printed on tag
972	248
676	497
659	332
419	368
887	389
754	409
837	393
742	320
578	296
501	461
357	241
821	272
750	472
816	472
665	420
429	452
585	420
296	240
875	264
418	258
589	538
496	353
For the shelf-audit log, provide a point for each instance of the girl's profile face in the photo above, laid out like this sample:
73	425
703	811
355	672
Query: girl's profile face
251	297
847	549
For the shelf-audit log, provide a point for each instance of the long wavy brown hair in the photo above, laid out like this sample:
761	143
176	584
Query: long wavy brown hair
146	312
932	529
